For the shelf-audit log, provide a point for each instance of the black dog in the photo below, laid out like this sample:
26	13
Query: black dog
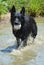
22	26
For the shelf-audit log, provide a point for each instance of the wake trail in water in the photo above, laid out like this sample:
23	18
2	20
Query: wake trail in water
33	46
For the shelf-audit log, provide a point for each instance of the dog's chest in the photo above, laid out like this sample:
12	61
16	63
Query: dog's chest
17	33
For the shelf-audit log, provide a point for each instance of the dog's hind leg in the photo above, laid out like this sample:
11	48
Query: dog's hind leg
34	30
25	42
30	39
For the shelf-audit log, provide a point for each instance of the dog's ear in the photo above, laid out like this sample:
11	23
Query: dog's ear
13	9
22	11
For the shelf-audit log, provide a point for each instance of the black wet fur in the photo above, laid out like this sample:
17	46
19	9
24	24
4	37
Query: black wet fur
28	24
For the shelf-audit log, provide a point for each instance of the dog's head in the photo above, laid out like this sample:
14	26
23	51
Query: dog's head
17	18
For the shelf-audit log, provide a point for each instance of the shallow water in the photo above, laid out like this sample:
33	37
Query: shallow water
32	54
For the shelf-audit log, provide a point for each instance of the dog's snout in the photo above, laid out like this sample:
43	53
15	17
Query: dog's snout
17	21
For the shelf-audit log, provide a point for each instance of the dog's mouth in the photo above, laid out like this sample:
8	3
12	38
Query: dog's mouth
17	27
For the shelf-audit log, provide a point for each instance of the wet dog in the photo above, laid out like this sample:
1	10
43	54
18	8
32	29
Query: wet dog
22	26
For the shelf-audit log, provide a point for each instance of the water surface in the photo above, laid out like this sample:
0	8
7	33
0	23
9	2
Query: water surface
32	54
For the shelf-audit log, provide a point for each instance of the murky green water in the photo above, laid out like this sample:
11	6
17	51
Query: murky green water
33	54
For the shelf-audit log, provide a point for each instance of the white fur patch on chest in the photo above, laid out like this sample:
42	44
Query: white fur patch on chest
17	27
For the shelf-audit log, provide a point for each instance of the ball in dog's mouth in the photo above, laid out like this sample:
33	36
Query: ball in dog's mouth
17	27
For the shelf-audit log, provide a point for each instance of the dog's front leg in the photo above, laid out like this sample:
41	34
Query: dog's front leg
22	43
18	42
